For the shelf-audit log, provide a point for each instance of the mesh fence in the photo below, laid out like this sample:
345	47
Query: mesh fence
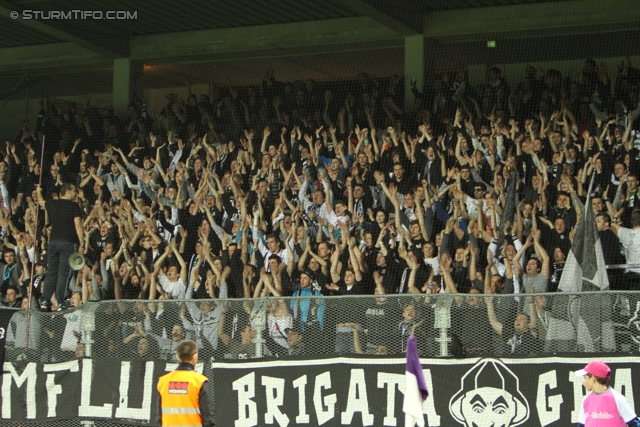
444	325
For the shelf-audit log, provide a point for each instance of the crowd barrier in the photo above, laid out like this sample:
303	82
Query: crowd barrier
341	363
444	325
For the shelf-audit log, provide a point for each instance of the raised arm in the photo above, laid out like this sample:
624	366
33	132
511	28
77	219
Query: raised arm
411	281
493	319
274	288
541	254
288	243
473	261
461	159
450	286
335	256
160	261
265	136
523	249
123	157
355	262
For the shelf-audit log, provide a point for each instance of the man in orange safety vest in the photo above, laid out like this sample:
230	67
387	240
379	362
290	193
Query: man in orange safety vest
185	398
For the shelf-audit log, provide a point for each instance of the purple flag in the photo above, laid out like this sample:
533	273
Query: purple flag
415	391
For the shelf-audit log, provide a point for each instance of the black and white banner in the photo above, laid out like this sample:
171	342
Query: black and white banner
91	389
369	391
314	392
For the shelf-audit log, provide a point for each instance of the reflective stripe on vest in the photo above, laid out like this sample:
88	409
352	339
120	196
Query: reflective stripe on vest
180	411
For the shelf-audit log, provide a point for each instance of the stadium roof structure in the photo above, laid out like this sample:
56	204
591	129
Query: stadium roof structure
329	39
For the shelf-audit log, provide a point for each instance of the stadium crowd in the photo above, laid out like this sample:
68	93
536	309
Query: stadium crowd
322	190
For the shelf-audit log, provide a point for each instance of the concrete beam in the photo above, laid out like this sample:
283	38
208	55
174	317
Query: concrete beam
277	53
261	42
361	7
35	24
53	56
285	38
532	20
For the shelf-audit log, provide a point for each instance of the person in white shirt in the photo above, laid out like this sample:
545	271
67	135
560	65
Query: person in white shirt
318	205
270	246
72	334
336	210
173	282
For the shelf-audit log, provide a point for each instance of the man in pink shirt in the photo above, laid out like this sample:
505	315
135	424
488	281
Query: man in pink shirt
603	407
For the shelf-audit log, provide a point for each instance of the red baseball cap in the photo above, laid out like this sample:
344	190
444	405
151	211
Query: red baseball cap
598	369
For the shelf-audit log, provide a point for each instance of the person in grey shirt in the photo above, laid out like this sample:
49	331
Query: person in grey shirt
23	334
205	320
536	274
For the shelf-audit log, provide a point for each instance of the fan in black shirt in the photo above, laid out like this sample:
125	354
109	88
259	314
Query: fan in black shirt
63	242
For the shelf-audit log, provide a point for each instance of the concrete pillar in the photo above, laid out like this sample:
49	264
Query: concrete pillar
127	83
413	67
121	85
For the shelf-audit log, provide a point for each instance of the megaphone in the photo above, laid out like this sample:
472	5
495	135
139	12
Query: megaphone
76	261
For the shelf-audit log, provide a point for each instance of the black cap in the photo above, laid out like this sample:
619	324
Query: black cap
309	273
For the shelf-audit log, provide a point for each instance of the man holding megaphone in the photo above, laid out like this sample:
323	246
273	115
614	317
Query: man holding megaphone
63	241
